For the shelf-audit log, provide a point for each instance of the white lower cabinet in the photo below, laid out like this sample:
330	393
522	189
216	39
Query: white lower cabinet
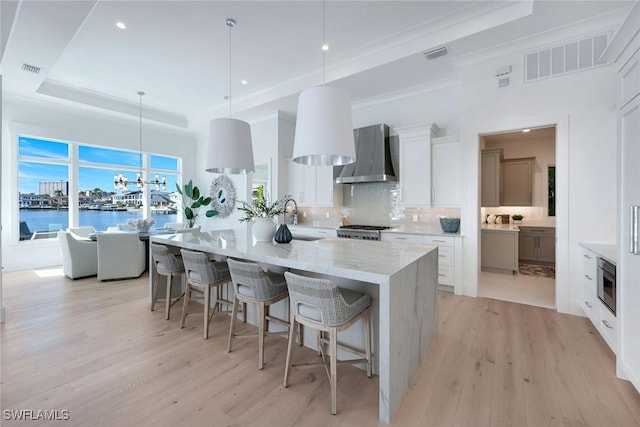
449	255
599	314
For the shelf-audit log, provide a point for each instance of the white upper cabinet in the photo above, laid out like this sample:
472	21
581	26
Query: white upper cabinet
415	162
446	185
313	185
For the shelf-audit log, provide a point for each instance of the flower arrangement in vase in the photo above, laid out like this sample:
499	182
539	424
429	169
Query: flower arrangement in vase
261	212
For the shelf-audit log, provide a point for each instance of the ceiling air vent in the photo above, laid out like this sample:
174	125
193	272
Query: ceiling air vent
435	53
577	55
30	68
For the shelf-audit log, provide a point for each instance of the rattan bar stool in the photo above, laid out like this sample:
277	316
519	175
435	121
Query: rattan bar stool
253	285
321	305
166	264
202	275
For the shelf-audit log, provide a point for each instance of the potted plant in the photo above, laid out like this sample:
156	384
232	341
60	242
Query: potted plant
517	218
192	203
261	212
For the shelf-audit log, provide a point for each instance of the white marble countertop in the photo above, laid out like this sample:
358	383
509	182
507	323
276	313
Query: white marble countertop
607	251
500	227
362	260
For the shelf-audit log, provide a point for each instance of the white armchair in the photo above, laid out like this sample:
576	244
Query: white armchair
83	231
79	256
120	256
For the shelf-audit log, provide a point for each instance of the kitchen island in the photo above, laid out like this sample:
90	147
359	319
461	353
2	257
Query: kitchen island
402	279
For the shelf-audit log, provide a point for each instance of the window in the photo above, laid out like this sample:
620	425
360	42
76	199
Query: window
43	183
44	169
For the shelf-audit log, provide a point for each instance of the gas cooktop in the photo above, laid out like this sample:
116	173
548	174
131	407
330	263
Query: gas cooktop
363	232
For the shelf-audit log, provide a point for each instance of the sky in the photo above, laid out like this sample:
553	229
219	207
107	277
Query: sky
108	162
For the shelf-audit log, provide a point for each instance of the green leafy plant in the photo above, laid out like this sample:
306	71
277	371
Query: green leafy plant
192	203
261	207
517	217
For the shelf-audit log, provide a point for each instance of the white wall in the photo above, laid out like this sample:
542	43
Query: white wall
581	104
67	123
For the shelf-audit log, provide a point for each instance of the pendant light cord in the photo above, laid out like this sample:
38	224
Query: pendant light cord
324	43
230	23
141	94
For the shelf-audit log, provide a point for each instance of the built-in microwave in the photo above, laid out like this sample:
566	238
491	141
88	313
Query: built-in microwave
607	284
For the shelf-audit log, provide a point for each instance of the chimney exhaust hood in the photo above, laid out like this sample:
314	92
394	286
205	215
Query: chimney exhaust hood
373	157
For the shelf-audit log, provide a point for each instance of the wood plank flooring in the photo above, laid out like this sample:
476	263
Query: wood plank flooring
97	351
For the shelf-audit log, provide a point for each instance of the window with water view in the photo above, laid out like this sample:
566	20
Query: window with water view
44	171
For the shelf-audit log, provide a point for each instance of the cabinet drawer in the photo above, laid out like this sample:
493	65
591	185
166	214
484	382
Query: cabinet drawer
445	274
590	302
607	326
439	241
538	231
445	255
407	238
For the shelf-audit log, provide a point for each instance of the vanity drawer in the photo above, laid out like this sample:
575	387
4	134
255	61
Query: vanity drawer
445	274
445	255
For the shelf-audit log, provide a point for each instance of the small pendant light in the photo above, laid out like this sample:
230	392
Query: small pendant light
324	126
230	150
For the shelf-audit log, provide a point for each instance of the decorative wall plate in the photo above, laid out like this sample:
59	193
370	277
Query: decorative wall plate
223	196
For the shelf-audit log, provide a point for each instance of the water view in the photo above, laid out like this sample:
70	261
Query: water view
54	219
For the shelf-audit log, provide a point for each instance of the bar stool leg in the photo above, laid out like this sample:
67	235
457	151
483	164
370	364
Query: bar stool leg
333	354
154	290
185	303
289	351
207	297
168	298
261	325
232	326
367	340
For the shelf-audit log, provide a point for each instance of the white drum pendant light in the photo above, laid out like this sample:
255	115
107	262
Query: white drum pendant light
230	150
324	127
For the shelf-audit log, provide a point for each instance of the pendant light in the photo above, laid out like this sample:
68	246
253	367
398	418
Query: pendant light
324	127
121	182
230	150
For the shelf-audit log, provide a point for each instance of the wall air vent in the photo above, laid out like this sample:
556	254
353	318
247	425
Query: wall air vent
30	68
435	53
577	55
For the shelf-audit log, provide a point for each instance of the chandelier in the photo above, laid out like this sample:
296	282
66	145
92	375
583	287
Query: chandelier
121	182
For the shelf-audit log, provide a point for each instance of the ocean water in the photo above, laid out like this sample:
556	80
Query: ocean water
52	219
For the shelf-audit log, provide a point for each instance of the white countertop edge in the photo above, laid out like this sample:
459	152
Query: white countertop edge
608	251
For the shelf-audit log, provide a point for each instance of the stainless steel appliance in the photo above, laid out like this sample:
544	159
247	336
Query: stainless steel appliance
364	232
607	284
373	157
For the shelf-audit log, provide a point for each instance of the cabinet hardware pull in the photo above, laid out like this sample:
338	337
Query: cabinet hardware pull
586	256
441	275
588	304
439	241
607	324
588	277
401	238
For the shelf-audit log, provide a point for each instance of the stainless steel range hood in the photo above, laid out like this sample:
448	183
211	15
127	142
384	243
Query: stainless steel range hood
373	157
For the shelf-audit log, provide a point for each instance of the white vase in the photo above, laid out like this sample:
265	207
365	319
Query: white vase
264	229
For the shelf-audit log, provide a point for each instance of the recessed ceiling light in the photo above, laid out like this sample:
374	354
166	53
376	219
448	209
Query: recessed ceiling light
526	130
244	82
325	47
121	25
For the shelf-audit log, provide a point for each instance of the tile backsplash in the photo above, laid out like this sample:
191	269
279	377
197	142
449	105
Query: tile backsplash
376	203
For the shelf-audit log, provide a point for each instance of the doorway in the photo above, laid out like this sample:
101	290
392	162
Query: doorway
517	194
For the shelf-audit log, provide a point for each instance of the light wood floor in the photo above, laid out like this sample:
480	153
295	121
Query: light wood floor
96	350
